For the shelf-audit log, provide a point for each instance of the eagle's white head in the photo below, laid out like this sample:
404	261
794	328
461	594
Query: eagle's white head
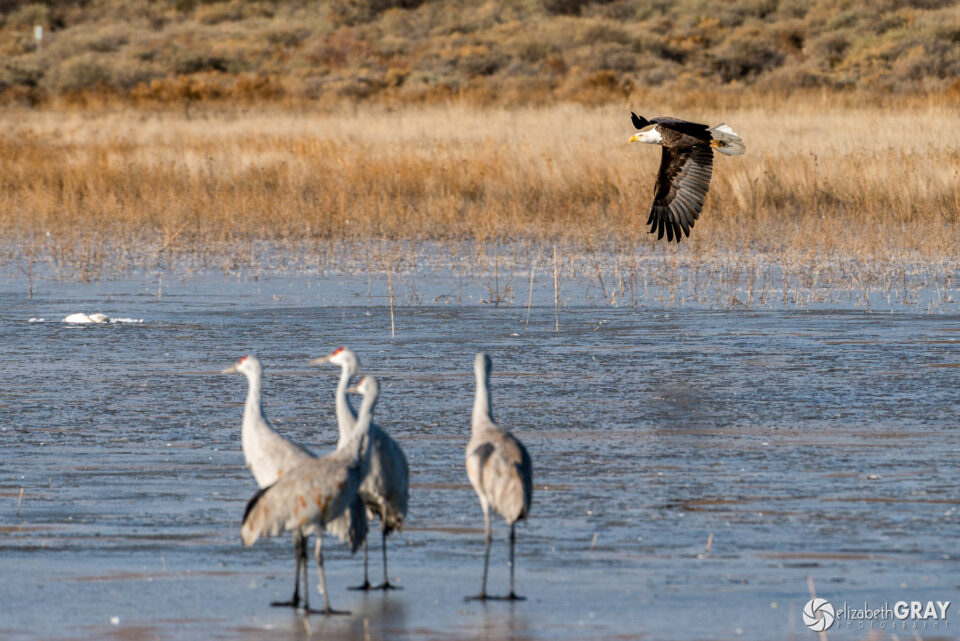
651	136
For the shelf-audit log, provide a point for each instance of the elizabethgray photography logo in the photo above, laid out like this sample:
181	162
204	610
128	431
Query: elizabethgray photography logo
820	615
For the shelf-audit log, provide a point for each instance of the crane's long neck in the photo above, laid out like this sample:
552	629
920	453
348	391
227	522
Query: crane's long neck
346	417
481	400
361	430
252	410
255	425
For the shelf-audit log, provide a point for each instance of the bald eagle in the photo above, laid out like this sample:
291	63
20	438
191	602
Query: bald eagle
685	169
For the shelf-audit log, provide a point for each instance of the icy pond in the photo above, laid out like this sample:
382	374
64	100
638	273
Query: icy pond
697	468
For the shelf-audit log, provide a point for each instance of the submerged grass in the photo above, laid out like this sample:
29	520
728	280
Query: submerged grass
823	191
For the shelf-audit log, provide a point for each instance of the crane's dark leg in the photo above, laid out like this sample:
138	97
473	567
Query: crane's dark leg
386	585
513	539
300	551
486	555
318	553
366	580
306	582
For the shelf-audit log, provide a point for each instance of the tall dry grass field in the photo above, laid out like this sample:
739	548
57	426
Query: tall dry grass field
85	189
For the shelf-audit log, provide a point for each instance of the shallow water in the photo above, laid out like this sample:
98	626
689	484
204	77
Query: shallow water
816	444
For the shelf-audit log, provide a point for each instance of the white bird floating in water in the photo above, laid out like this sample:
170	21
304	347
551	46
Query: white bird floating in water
97	319
317	492
385	491
80	318
499	469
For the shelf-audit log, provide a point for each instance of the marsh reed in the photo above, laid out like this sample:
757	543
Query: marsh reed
821	189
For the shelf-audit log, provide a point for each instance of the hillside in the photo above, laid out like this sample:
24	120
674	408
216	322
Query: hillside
519	52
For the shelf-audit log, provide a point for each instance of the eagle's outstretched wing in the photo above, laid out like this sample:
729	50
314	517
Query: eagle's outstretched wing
682	184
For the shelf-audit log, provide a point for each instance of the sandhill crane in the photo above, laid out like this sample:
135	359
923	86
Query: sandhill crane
499	469
269	455
385	491
316	492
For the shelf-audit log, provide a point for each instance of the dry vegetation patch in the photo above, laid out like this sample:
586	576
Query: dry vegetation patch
84	189
516	52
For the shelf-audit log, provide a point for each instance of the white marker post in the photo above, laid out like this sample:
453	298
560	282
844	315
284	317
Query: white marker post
38	36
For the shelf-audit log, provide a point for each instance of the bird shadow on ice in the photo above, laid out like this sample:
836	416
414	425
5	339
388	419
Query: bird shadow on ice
500	622
369	618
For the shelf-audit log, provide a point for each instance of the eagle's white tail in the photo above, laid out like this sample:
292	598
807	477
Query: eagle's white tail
726	141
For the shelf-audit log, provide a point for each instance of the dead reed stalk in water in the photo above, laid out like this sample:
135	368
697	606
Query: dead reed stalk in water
526	324
556	291
813	595
393	326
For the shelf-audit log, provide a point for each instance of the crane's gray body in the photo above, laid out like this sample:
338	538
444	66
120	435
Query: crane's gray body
270	456
498	466
385	490
317	492
500	471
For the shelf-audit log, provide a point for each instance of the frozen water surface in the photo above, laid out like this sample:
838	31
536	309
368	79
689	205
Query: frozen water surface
816	444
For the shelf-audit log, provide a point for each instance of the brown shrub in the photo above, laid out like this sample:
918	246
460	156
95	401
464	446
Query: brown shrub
217	12
479	48
534	50
565	7
338	48
85	71
352	12
746	56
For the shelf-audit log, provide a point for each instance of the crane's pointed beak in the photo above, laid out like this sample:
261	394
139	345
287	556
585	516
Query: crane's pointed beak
230	370
354	389
321	360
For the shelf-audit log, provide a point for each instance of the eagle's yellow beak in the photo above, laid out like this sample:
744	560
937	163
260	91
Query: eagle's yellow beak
635	138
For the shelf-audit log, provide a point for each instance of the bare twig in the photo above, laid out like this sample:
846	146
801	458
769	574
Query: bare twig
393	326
172	238
496	280
556	291
813	595
529	297
592	257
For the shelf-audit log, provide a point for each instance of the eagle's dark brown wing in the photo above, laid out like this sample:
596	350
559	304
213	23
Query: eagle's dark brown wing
681	187
695	129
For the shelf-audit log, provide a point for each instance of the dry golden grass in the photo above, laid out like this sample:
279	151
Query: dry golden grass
83	189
